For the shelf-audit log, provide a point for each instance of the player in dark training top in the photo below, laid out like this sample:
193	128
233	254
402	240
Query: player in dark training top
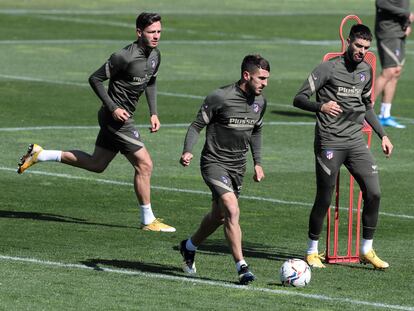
343	100
392	26
131	71
233	116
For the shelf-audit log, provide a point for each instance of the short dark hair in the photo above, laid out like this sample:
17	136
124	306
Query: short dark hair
253	62
360	31
145	19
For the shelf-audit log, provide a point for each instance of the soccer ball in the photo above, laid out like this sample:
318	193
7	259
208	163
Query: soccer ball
295	272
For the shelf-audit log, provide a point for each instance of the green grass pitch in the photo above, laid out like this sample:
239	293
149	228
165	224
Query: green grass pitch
70	238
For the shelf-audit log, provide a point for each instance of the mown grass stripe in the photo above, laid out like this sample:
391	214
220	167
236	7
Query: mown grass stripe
193	280
123	183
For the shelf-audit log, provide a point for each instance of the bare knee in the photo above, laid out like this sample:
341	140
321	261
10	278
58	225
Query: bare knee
144	167
397	72
231	209
391	73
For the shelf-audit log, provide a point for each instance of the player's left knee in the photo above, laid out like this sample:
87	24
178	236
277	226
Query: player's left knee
374	195
397	72
144	167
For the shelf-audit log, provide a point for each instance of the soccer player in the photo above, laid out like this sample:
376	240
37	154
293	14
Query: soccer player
392	26
233	116
131	71
343	90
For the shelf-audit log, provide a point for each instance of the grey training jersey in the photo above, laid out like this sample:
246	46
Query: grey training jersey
392	18
129	71
351	89
234	121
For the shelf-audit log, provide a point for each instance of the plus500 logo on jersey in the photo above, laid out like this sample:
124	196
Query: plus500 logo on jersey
239	122
344	91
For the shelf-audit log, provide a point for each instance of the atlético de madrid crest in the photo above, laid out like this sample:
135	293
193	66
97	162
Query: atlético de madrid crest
256	107
329	154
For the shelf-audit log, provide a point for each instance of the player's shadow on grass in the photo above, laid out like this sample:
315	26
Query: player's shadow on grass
255	250
139	268
54	217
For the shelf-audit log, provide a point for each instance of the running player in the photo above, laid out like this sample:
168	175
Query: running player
131	71
233	116
343	100
392	26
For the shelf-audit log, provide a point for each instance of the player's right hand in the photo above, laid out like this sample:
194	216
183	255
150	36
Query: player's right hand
186	158
120	115
331	108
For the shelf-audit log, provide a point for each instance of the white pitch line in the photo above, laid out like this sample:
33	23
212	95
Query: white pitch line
163	125
187	11
207	282
40	80
32	79
241	41
123	183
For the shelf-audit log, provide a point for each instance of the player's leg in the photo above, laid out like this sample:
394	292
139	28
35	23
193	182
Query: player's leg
232	230
97	162
361	165
387	76
392	54
225	189
327	164
211	221
390	87
142	163
229	204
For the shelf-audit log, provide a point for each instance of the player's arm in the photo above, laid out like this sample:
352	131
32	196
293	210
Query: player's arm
110	69
256	148
372	119
312	84
151	95
204	116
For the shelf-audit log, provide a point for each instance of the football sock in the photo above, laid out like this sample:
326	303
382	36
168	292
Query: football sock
147	216
366	246
312	246
240	263
49	155
385	110
190	246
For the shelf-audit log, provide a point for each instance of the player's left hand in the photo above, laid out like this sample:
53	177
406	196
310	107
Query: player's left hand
258	173
155	123
386	146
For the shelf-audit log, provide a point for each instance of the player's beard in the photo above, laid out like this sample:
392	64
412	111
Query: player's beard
251	89
144	42
351	57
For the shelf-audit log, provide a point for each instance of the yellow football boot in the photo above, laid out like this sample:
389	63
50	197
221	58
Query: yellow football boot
157	225
30	158
373	259
314	260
